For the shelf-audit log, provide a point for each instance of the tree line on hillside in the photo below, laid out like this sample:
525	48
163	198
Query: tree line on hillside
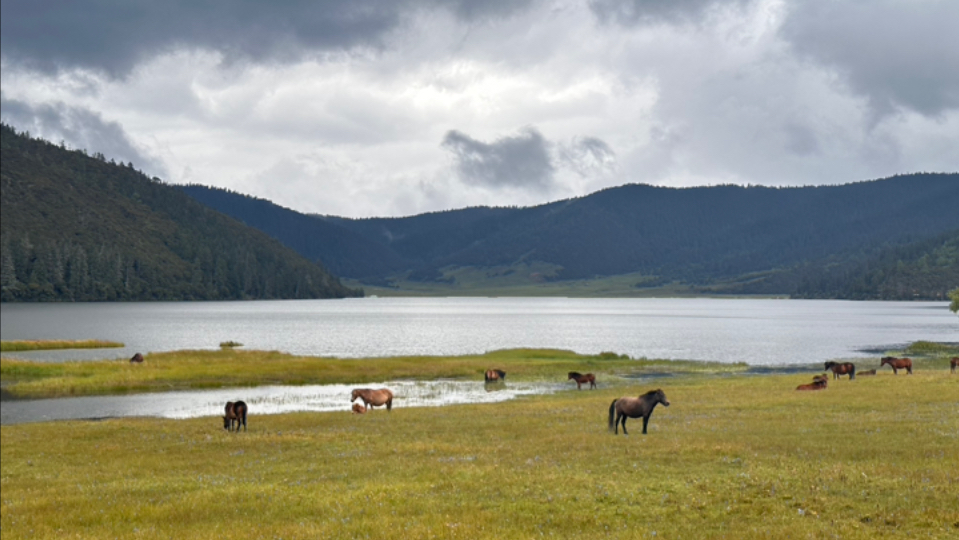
79	228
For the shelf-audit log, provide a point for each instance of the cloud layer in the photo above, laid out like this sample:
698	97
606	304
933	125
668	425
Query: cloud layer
396	107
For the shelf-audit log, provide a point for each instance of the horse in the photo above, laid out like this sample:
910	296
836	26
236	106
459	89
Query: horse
846	368
137	359
897	363
580	379
495	375
374	398
358	409
634	407
819	382
867	372
953	364
235	411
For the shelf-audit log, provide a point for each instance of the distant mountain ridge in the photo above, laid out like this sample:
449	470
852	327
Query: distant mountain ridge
694	235
79	228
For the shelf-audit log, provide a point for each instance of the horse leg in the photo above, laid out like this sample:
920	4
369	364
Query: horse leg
645	421
592	384
624	425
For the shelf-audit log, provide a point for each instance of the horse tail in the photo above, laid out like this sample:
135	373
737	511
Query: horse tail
612	410
389	404
852	372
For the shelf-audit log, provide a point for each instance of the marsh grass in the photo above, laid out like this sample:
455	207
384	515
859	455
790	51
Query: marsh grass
230	367
733	457
42	345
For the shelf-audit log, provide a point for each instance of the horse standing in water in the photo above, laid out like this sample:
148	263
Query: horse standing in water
846	368
953	364
897	363
235	411
373	398
581	379
634	407
495	375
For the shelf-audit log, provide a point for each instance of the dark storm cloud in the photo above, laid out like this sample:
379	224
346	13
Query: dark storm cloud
77	128
113	37
898	54
630	12
519	161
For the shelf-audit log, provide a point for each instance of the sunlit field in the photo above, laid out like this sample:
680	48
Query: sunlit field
734	456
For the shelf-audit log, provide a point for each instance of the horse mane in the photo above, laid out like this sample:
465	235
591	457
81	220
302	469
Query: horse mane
651	393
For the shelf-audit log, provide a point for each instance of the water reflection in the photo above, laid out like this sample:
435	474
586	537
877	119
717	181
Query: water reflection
262	400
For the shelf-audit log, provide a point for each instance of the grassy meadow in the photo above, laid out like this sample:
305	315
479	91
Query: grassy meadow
734	456
51	344
229	367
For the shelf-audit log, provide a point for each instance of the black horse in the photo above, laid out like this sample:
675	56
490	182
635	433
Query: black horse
630	407
235	411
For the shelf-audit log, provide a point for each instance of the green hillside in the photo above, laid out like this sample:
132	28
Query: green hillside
80	228
886	238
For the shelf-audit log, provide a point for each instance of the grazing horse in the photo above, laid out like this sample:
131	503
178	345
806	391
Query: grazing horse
846	368
235	411
867	372
819	382
897	363
358	409
137	359
374	398
580	379
495	375
634	407
953	364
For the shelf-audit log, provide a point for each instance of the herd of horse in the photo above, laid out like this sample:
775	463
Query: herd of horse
620	409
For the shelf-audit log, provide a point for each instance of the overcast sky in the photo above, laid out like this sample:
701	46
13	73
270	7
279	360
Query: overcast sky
397	107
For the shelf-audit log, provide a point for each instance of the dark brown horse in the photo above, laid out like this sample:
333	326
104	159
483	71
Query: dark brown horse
845	368
235	411
137	359
953	364
495	375
634	407
374	398
897	363
358	409
819	382
582	379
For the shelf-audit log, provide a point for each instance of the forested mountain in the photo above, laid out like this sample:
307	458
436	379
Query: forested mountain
825	241
76	227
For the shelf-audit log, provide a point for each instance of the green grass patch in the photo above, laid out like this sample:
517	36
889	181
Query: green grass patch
51	344
229	367
733	457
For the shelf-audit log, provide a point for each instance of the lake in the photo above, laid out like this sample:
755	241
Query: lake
757	331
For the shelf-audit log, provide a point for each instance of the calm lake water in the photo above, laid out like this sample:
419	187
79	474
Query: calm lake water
760	332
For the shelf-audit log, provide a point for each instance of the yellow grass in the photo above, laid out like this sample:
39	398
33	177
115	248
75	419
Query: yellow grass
49	344
733	457
231	367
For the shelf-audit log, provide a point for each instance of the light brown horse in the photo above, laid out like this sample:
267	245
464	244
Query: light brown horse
374	398
846	368
495	375
953	364
819	382
581	379
137	359
235	411
634	407
358	409
897	363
